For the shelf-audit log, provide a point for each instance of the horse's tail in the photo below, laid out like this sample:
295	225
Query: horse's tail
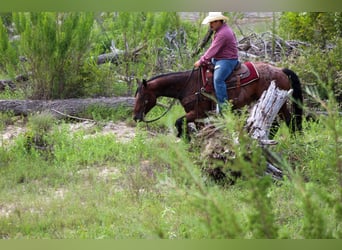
297	104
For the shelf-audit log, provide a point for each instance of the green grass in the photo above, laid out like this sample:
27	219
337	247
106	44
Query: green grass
96	187
9	94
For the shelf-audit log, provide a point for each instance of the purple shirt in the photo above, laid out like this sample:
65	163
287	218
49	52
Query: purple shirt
223	46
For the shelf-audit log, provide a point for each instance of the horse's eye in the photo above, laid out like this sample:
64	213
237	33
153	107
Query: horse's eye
146	101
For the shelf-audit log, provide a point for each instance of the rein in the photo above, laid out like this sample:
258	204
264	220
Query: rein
174	100
165	112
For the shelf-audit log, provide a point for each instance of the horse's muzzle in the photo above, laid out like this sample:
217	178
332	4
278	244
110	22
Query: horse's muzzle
138	118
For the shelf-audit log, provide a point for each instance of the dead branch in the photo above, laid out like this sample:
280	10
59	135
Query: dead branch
113	56
268	46
6	84
72	117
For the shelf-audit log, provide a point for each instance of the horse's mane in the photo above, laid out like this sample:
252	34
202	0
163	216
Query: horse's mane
168	74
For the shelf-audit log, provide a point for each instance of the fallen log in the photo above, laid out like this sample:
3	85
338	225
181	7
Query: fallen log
61	108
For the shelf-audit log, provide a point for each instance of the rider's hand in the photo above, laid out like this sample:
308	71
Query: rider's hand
197	64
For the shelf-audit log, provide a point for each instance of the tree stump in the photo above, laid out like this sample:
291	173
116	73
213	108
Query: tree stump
217	146
264	112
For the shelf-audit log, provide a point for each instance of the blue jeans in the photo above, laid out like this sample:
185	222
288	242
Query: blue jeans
223	68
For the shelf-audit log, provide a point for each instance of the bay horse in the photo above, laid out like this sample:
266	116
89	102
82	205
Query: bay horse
188	86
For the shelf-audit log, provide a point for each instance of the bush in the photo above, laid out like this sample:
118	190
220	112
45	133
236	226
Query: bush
59	50
55	46
322	69
8	53
314	27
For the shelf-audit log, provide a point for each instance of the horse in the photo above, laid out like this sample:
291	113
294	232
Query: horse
191	89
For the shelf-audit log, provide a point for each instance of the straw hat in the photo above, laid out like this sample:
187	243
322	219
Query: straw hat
214	16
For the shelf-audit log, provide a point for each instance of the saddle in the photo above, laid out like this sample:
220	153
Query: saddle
243	73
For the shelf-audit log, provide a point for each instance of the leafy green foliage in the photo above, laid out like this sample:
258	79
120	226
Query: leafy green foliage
8	54
322	71
100	113
314	27
163	36
55	46
38	133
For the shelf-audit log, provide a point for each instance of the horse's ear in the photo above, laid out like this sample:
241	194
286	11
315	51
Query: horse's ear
144	82
138	81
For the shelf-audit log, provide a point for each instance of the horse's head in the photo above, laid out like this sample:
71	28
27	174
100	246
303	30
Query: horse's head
145	100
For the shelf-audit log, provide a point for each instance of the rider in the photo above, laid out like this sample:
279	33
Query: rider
222	53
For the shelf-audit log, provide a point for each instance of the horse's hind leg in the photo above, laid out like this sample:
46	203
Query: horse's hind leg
285	115
274	129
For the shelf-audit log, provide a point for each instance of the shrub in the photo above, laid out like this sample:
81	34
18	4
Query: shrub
55	46
8	53
314	27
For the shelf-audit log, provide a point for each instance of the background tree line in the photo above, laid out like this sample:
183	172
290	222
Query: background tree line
58	51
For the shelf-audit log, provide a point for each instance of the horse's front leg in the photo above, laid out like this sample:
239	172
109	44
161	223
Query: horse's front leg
180	126
182	123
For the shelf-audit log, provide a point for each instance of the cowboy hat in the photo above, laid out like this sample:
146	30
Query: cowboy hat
214	16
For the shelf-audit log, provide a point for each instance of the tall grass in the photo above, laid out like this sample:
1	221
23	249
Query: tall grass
153	187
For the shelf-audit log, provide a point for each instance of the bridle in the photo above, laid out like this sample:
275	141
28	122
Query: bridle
173	102
165	112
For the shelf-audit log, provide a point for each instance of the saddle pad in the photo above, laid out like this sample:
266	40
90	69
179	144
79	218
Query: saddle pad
254	74
247	74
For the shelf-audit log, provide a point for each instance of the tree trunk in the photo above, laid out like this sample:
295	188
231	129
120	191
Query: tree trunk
264	112
260	121
215	145
60	108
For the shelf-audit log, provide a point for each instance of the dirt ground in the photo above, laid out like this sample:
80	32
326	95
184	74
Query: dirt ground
121	130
